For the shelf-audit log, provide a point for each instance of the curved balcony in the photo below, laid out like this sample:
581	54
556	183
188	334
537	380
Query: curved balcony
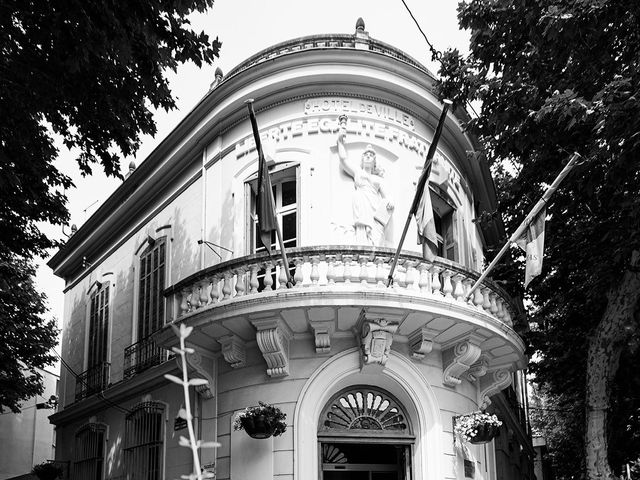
337	290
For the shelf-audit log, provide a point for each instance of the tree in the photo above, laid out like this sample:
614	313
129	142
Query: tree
89	72
555	77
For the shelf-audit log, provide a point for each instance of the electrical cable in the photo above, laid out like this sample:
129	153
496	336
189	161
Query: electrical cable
100	394
435	54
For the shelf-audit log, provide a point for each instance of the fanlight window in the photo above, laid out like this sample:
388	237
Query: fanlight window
363	408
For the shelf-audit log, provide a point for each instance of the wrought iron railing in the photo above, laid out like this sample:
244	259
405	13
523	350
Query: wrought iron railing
93	380
142	355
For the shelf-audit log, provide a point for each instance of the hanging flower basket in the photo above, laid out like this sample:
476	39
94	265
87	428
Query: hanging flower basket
477	427
262	421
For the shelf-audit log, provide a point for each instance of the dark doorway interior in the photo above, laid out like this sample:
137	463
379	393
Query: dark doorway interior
364	461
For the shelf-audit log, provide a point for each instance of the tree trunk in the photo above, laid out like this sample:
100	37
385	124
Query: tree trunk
605	348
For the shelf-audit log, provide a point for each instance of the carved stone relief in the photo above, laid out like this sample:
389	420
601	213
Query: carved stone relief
233	350
375	336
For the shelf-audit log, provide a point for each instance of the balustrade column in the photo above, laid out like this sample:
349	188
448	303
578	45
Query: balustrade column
204	296
381	272
253	279
458	288
346	271
447	287
424	280
214	294
315	271
268	278
331	269
226	286
240	286
435	280
299	275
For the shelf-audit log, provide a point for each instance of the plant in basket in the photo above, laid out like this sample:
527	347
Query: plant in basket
261	421
476	427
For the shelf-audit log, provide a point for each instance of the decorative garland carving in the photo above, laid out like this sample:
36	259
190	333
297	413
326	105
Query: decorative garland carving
458	359
273	341
491	384
233	350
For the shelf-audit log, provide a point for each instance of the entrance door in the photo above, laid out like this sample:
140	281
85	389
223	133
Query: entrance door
364	461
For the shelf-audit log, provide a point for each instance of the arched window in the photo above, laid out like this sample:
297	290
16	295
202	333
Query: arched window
365	433
89	452
144	442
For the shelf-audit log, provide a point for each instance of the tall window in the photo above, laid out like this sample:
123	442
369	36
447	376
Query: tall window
150	298
98	325
444	214
96	377
144	442
89	452
285	195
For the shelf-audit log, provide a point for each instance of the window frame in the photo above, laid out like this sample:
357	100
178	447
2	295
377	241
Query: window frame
103	430
129	451
279	173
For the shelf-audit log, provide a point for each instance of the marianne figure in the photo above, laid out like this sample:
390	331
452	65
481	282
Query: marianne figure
371	206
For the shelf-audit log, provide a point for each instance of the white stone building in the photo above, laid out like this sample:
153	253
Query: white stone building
176	243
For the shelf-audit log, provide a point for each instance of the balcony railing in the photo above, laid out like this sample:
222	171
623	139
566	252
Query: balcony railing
142	355
335	268
94	380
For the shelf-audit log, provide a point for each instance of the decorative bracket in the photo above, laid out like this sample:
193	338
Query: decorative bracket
492	384
478	369
375	336
202	366
273	341
459	358
233	350
421	342
322	331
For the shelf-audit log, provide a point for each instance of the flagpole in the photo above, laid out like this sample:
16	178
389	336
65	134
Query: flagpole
527	221
423	182
256	136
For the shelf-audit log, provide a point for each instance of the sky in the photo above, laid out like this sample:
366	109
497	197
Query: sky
245	27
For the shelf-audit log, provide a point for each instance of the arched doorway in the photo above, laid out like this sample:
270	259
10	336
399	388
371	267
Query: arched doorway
364	434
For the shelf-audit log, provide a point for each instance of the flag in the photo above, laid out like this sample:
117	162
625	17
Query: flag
423	212
532	242
267	222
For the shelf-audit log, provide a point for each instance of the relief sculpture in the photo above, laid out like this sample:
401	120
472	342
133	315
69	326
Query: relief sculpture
372	208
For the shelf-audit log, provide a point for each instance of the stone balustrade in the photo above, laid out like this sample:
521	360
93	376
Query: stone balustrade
336	268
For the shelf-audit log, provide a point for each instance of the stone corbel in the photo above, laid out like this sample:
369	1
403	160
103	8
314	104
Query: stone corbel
458	359
201	367
375	337
478	369
322	331
273	337
492	384
421	342
233	350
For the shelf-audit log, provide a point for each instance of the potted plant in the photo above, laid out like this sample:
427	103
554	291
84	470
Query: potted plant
477	427
47	471
262	421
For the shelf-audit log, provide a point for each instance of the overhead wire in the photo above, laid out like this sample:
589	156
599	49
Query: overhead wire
435	53
100	394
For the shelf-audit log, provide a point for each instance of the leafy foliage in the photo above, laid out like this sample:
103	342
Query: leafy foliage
88	72
47	471
556	77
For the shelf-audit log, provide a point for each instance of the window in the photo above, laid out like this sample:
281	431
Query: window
444	215
98	326
151	285
151	282
144	442
89	452
285	195
96	377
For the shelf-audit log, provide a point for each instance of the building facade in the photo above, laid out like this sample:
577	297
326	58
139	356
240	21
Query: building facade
346	122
